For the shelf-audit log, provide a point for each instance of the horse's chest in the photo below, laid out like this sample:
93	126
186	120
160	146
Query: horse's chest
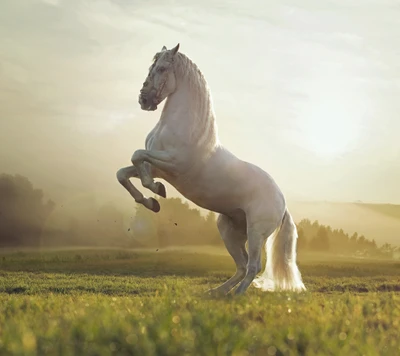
160	138
152	142
156	141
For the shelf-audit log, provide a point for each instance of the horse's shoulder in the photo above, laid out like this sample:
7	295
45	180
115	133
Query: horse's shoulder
151	136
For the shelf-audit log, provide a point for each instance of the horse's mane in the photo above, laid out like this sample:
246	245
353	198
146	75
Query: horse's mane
205	129
184	67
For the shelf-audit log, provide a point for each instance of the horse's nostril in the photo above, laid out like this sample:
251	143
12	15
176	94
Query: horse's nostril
144	101
145	84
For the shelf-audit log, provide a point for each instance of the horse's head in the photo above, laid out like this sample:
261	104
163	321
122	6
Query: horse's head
160	81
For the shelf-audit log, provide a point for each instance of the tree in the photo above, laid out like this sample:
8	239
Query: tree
175	225
144	227
301	241
110	226
211	233
23	211
321	241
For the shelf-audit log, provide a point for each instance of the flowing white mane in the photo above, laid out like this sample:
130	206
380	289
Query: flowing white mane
200	106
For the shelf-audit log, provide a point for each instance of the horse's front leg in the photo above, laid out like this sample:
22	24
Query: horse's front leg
161	160
123	176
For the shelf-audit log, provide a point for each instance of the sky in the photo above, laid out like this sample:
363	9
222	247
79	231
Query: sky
309	91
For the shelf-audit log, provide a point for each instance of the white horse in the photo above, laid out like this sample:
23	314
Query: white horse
184	149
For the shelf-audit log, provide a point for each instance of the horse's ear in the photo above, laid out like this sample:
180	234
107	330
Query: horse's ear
175	50
163	49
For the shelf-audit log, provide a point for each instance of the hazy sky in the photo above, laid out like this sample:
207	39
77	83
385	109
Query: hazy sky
308	90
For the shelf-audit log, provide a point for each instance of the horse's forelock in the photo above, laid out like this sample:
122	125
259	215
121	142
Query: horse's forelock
156	57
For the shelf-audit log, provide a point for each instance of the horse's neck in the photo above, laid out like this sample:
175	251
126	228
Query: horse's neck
190	110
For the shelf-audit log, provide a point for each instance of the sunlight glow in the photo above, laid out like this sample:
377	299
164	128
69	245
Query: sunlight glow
331	119
329	129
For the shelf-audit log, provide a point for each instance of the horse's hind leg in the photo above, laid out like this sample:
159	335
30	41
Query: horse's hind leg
257	234
235	242
123	176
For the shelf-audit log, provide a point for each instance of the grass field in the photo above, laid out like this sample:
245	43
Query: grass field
105	302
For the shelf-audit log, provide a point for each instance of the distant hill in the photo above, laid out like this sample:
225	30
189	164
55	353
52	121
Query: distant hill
375	221
390	210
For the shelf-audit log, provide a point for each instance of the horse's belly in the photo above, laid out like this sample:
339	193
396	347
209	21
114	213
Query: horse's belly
208	196
224	189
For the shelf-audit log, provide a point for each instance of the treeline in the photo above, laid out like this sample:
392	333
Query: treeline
318	237
28	219
23	211
176	224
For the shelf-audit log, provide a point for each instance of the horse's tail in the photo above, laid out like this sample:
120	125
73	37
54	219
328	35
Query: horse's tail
281	271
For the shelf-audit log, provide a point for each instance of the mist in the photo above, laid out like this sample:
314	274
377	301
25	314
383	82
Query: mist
309	93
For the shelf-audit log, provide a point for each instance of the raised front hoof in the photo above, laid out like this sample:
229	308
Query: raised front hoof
160	190
155	205
151	204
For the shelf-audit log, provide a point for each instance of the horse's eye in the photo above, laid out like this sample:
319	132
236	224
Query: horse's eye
161	69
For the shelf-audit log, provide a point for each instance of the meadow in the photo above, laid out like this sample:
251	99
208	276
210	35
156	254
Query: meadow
127	302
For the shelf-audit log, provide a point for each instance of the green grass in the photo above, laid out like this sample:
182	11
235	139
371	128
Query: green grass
98	302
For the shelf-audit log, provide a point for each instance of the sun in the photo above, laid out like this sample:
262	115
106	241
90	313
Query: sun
329	130
331	119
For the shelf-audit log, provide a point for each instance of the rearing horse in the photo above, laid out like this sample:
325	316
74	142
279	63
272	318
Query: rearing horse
184	149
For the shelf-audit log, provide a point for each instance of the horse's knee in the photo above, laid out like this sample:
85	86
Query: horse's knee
121	176
137	157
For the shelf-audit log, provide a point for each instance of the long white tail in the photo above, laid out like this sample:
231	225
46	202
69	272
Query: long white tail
281	271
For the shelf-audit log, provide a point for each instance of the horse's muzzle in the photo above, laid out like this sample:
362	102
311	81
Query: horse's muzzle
148	101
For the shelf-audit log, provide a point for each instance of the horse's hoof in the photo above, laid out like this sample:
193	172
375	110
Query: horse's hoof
161	191
155	205
215	293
